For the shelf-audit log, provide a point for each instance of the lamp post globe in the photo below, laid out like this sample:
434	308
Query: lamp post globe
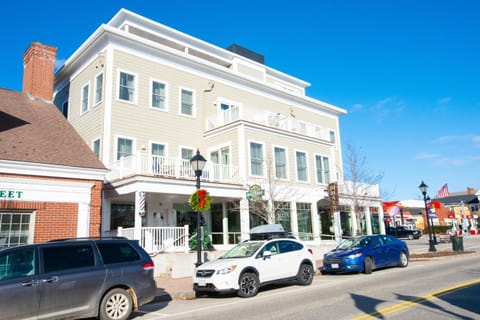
431	244
198	163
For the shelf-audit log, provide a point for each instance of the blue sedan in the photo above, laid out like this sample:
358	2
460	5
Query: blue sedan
366	253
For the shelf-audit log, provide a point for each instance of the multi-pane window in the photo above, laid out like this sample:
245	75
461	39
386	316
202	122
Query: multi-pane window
256	159
186	102
158	149
280	163
282	214
159	164
124	148
301	158
15	228
322	168
127	87
96	147
158	95
332	136
304	220
85	91
187	154
98	88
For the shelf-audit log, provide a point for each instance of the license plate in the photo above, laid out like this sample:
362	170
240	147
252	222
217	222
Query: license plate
335	266
202	283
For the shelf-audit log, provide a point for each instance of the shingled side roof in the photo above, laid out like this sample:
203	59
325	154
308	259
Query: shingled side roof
33	130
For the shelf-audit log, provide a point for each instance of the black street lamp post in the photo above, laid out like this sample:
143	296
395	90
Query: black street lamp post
198	163
423	188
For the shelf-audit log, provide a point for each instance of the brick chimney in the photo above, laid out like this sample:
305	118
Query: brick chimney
38	70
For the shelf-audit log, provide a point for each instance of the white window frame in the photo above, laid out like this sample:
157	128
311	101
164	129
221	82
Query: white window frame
275	162
250	158
31	226
84	108
97	87
99	146
234	109
135	84
194	108
134	144
165	102
325	174
306	166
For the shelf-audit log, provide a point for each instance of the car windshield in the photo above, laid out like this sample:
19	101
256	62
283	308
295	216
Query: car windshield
242	250
353	243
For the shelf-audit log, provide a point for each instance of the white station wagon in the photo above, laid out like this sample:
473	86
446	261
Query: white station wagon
254	263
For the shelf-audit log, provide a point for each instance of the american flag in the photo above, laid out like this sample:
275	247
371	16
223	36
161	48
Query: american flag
443	192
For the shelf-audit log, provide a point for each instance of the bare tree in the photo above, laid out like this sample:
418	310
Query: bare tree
359	181
272	203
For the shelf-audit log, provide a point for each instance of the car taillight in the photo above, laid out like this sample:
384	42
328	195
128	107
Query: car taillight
148	265
310	250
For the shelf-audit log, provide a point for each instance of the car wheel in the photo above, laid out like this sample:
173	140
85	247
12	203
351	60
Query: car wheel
249	285
305	274
403	259
367	265
116	305
411	237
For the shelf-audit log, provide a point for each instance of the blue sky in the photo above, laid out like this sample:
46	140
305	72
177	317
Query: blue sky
407	71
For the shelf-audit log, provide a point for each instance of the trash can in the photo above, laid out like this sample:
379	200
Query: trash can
457	243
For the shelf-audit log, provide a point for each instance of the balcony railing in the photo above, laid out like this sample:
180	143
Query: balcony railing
145	164
270	119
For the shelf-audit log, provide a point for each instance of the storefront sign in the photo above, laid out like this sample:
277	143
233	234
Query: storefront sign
255	192
10	194
333	195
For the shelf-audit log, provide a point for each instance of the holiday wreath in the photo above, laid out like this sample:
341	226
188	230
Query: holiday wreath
200	200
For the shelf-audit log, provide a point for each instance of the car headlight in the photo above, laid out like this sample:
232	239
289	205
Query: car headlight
227	270
354	256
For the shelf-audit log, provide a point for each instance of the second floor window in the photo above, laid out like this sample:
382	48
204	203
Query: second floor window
85	92
158	95
256	159
96	147
280	163
186	102
322	167
301	166
124	148
126	87
98	88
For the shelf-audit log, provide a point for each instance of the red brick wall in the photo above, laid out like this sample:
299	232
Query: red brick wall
55	220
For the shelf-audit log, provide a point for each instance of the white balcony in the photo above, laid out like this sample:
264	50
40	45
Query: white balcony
168	167
270	119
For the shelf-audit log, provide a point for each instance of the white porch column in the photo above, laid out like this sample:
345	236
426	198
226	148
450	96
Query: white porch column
381	222
106	215
294	217
244	220
353	216
368	219
315	222
225	222
138	218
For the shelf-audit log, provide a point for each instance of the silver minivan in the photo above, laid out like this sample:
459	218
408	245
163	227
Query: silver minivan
75	278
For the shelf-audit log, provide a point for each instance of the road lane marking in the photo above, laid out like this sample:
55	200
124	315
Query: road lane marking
414	302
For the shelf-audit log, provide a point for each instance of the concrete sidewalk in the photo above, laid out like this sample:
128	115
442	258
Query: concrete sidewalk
169	288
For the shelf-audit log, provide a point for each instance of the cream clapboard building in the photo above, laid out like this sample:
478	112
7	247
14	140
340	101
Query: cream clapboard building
146	97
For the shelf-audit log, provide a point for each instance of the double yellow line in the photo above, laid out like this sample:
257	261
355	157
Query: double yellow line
414	302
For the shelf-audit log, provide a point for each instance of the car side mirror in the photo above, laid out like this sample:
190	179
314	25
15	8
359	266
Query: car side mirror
267	253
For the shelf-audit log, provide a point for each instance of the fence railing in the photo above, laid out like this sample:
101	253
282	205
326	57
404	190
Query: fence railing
147	164
158	239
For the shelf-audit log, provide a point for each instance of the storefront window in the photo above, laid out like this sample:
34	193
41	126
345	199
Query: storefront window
122	215
282	215
16	228
304	219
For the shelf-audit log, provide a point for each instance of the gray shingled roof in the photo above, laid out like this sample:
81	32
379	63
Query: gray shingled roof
32	130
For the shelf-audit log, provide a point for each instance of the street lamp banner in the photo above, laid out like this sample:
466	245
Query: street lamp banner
333	196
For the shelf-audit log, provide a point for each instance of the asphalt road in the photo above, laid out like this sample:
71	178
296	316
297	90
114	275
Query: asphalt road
439	288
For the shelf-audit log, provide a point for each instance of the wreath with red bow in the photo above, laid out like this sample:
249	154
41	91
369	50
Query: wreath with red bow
200	200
